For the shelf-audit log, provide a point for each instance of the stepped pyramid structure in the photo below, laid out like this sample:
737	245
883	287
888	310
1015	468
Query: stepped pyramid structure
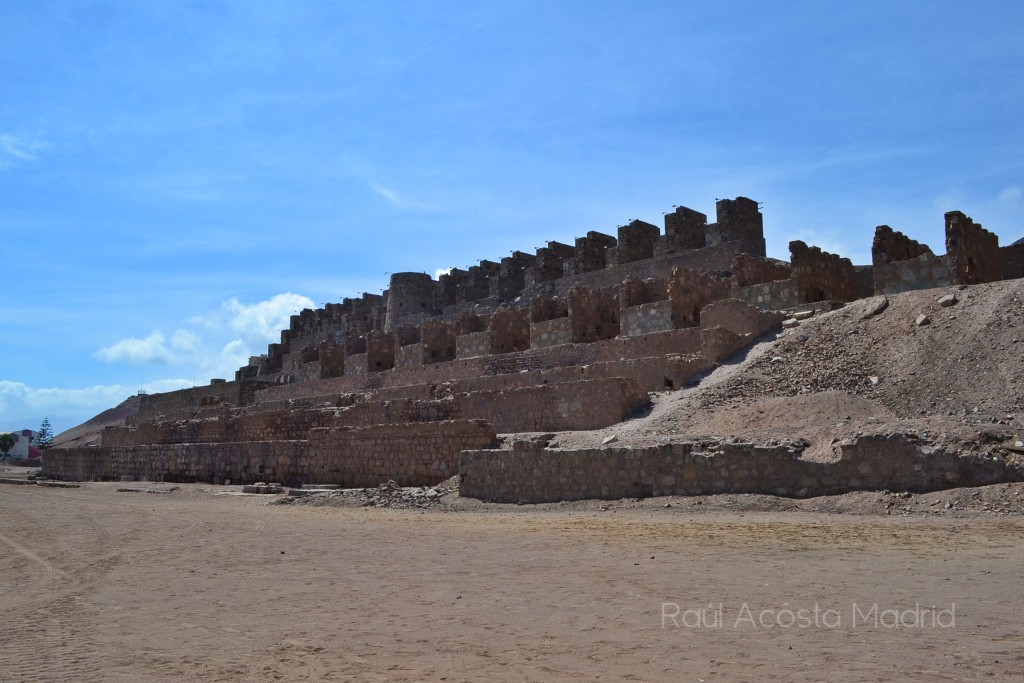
572	337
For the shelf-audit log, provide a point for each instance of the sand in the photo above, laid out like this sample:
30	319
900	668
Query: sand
97	585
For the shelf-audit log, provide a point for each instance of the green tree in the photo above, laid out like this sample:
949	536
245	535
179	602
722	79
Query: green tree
6	443
45	438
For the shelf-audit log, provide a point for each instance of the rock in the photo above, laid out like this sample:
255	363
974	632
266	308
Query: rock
609	439
948	300
790	323
874	306
804	315
873	379
922	320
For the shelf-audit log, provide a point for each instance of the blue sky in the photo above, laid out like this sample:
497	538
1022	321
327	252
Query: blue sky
177	178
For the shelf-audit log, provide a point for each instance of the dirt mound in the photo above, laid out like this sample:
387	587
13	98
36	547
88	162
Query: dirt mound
870	367
90	432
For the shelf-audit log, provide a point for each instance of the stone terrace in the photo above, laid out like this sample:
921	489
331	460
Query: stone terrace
572	337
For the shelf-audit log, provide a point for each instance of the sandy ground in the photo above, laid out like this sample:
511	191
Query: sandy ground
97	585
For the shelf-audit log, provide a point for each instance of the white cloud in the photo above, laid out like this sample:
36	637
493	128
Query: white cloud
262	322
442	271
24	407
221	341
15	149
153	349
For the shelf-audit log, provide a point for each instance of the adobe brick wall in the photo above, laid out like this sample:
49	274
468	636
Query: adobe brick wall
972	252
533	474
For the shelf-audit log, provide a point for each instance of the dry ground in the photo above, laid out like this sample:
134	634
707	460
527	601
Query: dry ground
97	585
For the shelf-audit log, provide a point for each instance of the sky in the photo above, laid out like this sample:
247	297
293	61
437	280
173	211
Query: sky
178	178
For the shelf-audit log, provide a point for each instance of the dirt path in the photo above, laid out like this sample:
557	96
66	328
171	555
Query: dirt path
103	586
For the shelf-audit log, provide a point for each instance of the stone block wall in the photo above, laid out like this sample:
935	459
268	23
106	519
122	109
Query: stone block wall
689	291
636	242
408	294
409	454
822	276
635	291
473	344
773	295
591	252
510	330
1012	260
240	463
972	252
923	272
739	220
548	308
889	246
590	404
646	318
183	403
750	270
739	317
531	473
685	229
593	315
551	333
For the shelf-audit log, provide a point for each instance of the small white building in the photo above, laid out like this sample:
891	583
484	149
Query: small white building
24	444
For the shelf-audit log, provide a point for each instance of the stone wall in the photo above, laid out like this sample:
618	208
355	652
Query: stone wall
1012	259
594	315
690	291
739	220
773	295
685	229
972	252
822	276
553	332
636	242
531	473
240	463
185	402
923	272
889	246
754	270
646	318
409	454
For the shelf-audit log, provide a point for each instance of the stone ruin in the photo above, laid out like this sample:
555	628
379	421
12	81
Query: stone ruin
416	384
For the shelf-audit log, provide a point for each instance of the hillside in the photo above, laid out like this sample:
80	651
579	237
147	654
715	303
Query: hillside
89	432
